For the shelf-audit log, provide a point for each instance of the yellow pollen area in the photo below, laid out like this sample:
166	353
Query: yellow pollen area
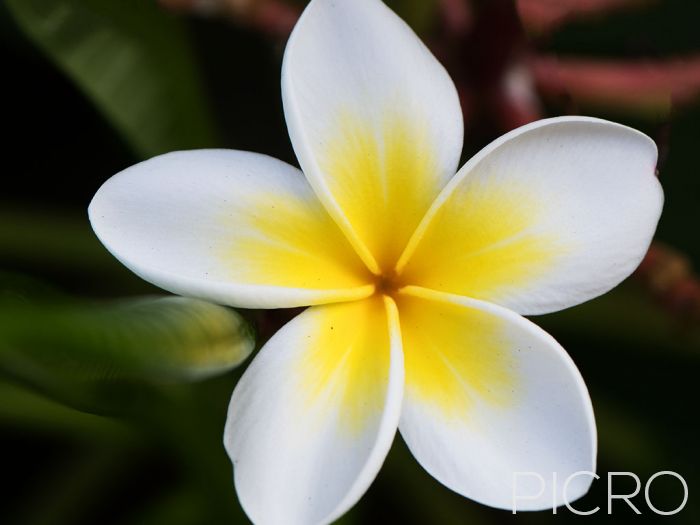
346	369
483	242
454	356
384	174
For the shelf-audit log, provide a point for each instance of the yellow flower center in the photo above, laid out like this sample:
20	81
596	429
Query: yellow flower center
387	283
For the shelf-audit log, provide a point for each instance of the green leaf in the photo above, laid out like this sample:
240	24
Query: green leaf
132	60
104	357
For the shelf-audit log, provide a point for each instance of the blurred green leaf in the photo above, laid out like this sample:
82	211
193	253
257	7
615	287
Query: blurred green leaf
66	493
421	15
132	60
627	315
103	357
17	286
61	247
419	497
625	438
54	238
22	408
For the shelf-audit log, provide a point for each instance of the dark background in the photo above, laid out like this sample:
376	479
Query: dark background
142	450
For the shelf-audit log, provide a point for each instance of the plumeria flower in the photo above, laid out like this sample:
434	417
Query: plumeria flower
416	278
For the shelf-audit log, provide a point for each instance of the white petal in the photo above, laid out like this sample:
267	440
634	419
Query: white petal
548	216
374	119
233	227
314	416
489	394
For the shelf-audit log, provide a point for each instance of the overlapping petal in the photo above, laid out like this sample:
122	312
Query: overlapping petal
546	217
374	119
237	228
313	417
489	394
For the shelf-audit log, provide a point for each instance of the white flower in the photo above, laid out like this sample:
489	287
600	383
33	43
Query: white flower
419	277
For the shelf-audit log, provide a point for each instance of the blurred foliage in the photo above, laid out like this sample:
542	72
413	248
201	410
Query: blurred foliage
99	357
157	464
656	27
63	360
627	316
61	246
132	60
129	66
421	15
